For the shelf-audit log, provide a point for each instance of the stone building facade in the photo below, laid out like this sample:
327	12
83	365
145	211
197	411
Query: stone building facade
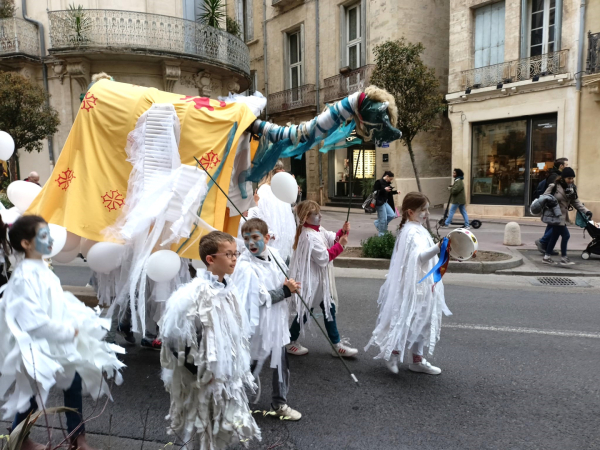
523	91
307	53
150	43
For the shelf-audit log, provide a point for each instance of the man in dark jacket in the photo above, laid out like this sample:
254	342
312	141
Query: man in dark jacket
555	173
386	211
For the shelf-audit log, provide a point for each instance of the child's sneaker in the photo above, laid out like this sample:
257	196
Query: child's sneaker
293	348
565	261
343	348
286	413
392	364
424	367
125	331
549	261
155	344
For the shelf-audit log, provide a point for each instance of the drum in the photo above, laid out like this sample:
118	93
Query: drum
463	244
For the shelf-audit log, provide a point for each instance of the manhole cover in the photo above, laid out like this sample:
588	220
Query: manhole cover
558	282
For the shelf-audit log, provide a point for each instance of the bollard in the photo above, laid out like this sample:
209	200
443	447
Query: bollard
512	234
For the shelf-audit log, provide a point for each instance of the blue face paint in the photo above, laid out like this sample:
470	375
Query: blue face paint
255	242
43	241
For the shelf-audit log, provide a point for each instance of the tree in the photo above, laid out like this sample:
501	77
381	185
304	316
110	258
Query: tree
401	71
25	115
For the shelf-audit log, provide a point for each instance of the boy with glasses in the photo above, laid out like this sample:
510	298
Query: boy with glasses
205	354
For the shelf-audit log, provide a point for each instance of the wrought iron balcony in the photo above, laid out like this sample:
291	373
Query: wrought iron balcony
19	37
301	97
518	70
342	85
593	59
129	31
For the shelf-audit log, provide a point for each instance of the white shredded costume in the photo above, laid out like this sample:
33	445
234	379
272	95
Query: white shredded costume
254	278
204	329
410	312
311	267
279	217
38	349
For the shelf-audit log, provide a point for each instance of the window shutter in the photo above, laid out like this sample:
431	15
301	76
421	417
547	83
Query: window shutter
489	35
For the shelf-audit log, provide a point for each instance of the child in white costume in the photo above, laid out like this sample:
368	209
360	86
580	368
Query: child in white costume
278	215
264	288
312	266
410	315
49	338
205	353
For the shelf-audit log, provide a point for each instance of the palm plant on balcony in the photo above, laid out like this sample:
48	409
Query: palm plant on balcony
214	13
80	24
233	27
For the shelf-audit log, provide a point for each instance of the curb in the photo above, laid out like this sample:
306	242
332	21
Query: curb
454	266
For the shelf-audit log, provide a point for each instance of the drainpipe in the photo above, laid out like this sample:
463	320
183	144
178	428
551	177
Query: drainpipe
265	56
44	71
317	87
578	80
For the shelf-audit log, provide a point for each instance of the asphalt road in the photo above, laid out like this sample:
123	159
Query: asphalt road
520	371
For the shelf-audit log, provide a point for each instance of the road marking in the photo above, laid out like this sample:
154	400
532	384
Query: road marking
523	330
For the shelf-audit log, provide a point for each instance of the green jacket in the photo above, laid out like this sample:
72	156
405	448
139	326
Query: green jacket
457	192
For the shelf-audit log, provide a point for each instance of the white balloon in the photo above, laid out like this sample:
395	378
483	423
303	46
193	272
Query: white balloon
22	194
72	243
66	257
104	257
163	265
9	216
284	187
86	244
198	264
7	146
59	235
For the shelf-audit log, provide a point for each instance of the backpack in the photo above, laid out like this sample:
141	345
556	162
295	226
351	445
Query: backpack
541	188
369	204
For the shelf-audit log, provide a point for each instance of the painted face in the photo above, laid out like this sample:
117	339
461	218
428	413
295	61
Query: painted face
422	214
255	242
314	219
43	241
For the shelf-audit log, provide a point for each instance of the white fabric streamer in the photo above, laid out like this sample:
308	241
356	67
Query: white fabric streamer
38	347
409	312
269	324
205	325
280	218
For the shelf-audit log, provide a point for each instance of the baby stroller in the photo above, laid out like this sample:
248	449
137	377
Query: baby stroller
594	232
474	223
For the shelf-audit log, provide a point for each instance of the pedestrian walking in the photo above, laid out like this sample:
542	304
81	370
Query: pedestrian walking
555	172
410	314
565	192
458	199
386	210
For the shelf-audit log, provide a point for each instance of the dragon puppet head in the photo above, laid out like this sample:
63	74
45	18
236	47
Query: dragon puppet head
378	116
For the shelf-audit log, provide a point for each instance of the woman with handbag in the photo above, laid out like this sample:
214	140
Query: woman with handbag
565	192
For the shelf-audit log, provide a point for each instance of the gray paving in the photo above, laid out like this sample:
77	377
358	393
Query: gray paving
508	382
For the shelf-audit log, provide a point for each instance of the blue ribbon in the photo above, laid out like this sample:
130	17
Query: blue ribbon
437	276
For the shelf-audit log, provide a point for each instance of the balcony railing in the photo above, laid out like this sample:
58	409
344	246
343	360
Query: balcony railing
129	31
593	59
295	98
518	70
342	85
18	36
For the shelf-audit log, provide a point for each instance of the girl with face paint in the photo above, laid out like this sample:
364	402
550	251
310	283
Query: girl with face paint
312	265
410	315
58	330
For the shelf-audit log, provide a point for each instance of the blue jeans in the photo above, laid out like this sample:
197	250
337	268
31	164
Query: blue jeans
558	231
72	399
330	326
462	210
546	237
385	214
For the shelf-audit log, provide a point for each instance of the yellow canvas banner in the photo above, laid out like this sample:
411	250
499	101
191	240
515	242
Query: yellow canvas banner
88	187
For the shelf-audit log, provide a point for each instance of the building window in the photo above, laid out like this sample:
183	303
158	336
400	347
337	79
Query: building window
353	36
542	14
489	35
244	18
510	158
294	51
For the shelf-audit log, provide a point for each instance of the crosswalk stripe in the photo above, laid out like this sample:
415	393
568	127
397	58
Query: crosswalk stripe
523	330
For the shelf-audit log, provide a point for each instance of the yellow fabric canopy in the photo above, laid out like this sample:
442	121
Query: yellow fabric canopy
87	190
